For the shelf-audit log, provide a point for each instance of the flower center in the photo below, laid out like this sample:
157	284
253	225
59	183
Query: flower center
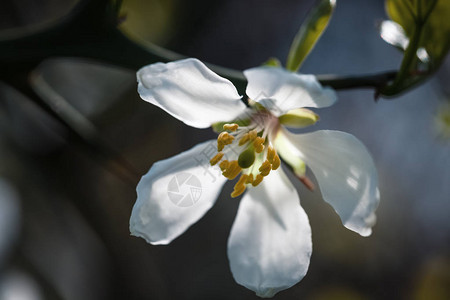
252	146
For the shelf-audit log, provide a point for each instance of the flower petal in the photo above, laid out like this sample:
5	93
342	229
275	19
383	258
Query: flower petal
346	175
281	91
190	92
270	242
175	194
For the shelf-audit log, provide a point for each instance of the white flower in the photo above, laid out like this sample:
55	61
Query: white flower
269	246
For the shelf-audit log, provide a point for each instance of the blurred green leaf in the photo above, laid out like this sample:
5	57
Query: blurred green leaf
309	33
427	28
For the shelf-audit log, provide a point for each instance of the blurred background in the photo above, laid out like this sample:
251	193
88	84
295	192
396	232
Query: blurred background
75	139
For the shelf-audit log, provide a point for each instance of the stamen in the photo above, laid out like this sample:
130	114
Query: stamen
238	190
216	158
256	156
230	127
276	162
252	134
259	144
249	179
257	180
248	137
224	139
242	179
265	168
270	154
232	171
244	139
224	164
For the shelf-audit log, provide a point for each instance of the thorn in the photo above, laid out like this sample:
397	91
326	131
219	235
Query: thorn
376	96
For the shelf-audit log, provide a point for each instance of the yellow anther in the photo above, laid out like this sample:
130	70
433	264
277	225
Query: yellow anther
257	180
224	139
244	139
265	168
252	134
248	137
270	154
249	179
276	162
232	171
216	158
242	180
259	144
224	164
230	127
238	190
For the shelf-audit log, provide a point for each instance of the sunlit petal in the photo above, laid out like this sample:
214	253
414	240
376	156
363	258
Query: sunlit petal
345	173
281	91
270	242
190	92
175	194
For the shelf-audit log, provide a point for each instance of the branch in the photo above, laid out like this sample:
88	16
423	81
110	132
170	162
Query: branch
376	81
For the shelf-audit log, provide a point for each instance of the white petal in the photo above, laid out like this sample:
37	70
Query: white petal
281	91
270	242
175	194
346	175
190	92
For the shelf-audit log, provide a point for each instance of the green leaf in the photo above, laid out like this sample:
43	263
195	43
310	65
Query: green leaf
427	28
309	33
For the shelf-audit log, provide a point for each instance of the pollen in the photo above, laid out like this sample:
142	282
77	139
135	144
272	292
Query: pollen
252	134
253	155
231	127
224	164
259	144
238	190
265	168
249	179
242	179
244	139
276	162
216	158
232	170
248	137
257	180
270	154
224	139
